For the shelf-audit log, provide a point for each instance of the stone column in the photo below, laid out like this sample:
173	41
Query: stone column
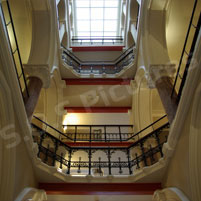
161	78
39	77
34	88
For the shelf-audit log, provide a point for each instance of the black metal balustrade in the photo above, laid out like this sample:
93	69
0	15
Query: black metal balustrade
98	133
184	63
97	40
12	38
98	67
107	160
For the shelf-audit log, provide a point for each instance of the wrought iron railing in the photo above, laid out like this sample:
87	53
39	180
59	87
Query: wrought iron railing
184	63
105	160
12	38
98	67
98	133
97	40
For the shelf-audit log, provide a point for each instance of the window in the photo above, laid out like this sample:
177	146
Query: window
96	19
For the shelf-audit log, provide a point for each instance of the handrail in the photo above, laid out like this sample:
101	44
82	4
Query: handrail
147	127
100	125
150	134
106	135
51	127
16	50
98	67
100	39
188	54
50	135
128	162
114	62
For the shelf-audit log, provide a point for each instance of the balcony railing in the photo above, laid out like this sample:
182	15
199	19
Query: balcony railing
184	63
97	133
98	67
99	161
96	40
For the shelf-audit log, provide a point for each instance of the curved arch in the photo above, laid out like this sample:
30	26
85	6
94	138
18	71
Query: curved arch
154	33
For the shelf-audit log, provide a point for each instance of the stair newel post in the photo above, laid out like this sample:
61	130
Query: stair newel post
158	142
46	153
109	161
75	134
151	154
120	137
61	160
90	156
79	165
137	161
120	169
40	144
105	133
90	134
69	161
129	161
55	152
143	153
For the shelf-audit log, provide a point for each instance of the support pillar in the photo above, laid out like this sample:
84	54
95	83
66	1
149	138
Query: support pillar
34	87
164	86
161	78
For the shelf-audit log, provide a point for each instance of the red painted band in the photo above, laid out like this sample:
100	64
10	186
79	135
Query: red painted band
97	81
100	188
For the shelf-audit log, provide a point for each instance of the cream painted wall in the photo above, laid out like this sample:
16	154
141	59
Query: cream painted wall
97	96
98	118
178	18
21	13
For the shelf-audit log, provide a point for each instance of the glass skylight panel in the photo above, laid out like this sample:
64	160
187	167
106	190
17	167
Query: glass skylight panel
94	26
109	3
97	18
96	4
110	34
83	26
83	13
110	25
97	13
82	3
111	13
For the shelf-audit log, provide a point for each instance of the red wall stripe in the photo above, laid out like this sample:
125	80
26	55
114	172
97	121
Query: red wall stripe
99	188
97	81
97	48
97	109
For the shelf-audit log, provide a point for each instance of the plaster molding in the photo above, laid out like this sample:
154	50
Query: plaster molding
169	194
32	194
40	71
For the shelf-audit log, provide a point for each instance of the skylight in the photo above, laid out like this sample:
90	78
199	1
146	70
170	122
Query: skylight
96	18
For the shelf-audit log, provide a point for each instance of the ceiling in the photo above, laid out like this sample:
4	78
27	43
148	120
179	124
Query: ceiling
99	197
